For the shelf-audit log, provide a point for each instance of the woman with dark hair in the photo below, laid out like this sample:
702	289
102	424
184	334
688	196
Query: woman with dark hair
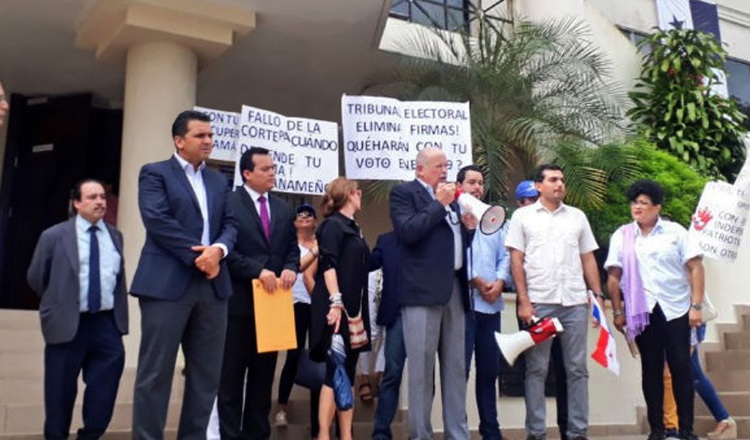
340	291
661	279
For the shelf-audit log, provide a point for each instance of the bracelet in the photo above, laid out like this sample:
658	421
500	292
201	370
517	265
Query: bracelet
335	300
617	313
599	295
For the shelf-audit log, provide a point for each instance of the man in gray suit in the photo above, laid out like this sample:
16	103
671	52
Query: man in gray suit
433	239
78	272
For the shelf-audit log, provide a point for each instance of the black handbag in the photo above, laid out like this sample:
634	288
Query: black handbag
310	374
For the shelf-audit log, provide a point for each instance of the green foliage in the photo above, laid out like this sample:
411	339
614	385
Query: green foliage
682	187
676	109
538	92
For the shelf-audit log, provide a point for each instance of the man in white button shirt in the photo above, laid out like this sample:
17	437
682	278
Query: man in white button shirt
551	253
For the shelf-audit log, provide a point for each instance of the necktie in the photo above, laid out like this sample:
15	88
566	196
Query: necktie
95	285
264	220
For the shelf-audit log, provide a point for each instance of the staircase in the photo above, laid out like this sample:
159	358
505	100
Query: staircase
727	364
22	384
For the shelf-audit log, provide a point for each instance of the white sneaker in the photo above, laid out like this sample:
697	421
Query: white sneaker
280	420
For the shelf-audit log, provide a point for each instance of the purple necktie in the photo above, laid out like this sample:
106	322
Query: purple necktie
264	217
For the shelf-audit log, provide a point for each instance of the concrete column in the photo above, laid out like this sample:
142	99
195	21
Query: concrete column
160	82
163	44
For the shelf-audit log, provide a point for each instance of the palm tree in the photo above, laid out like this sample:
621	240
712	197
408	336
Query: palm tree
538	92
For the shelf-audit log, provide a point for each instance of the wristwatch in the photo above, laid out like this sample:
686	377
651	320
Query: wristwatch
617	313
599	295
697	306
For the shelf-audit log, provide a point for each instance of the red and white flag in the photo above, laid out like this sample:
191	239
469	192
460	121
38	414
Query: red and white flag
605	352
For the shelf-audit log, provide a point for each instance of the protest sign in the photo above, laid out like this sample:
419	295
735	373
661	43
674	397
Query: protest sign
225	127
719	220
305	151
382	136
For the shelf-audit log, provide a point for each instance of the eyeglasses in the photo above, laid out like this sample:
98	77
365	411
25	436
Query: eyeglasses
305	214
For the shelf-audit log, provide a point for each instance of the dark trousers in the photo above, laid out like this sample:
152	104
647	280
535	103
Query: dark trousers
480	339
286	380
97	351
249	373
197	322
395	359
671	339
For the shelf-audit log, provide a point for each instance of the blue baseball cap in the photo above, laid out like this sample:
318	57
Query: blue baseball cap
306	207
526	189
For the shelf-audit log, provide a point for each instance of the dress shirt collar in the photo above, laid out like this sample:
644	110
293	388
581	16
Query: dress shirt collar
255	195
83	225
429	188
187	166
539	207
658	227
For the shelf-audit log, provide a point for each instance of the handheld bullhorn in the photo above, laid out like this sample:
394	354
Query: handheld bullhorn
491	218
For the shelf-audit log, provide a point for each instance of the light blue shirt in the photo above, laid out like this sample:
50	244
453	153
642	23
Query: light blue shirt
488	258
195	177
109	263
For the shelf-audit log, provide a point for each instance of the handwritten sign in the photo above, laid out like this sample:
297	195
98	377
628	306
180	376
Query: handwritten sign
305	151
382	136
225	127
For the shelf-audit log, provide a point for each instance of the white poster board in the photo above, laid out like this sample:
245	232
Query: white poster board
305	151
382	136
720	218
225	127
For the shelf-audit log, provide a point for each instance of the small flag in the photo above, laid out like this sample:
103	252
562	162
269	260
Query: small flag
605	352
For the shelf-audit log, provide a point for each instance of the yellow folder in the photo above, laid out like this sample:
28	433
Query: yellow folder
274	318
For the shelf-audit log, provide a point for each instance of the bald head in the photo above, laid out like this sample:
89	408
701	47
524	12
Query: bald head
3	105
432	166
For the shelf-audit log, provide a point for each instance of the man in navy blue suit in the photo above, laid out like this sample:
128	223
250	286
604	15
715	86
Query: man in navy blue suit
182	283
433	239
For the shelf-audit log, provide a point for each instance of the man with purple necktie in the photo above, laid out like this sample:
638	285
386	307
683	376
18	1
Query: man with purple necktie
266	248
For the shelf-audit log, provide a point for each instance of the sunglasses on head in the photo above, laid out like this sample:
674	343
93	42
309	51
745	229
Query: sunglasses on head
304	214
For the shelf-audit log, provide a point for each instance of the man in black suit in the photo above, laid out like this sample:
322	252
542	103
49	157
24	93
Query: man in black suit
78	272
433	238
266	249
181	282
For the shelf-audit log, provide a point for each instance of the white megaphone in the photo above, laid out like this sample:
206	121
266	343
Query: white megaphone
491	218
514	344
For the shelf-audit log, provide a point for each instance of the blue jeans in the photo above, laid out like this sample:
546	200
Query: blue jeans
706	390
395	358
480	338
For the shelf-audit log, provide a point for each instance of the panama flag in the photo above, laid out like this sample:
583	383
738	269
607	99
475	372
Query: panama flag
605	352
702	15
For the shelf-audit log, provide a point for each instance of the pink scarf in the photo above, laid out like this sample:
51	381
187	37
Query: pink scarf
636	306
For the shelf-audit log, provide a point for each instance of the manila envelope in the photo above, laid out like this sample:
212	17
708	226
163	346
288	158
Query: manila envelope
274	318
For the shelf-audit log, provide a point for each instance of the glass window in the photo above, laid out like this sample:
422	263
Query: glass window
738	81
443	14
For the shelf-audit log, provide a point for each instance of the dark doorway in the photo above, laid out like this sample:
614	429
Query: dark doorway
53	142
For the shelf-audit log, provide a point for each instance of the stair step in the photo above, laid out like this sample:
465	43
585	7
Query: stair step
728	360
730	380
737	403
704	424
22	340
737	340
22	365
19	320
298	411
